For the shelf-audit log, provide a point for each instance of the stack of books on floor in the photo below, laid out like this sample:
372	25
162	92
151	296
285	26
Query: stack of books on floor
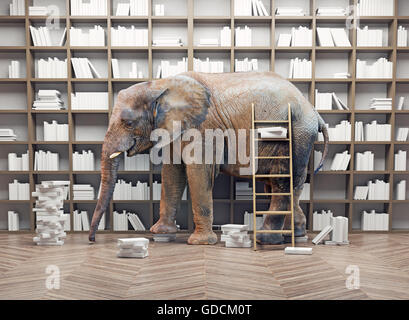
67	222
208	66
89	101
324	101
372	131
235	236
13	221
378	190
244	191
16	163
81	220
243	37
121	221
401	190
305	193
133	73
55	132
249	220
125	191
83	192
245	65
167	42
7	135
123	36
165	69
133	248
89	8
330	37
139	162
83	68
159	10
49	214
300	69
250	8
133	8
41	37
340	161
289	11
373	221
83	161
321	220
164	237
364	161
381	68
400	160
331	11
14	69
369	38
375	8
17	8
46	161
52	68
341	132
402	134
381	104
19	191
94	37
37	11
48	100
402	37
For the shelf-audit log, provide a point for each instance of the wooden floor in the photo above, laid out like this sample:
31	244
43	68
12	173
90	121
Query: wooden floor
179	271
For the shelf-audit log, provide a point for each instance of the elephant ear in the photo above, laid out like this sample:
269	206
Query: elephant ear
185	101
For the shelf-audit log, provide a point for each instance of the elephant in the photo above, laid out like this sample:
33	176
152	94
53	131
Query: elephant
203	101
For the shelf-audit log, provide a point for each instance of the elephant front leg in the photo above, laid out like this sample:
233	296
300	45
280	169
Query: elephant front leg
200	178
173	185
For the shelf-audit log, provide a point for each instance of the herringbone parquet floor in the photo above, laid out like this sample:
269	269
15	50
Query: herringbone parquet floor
179	271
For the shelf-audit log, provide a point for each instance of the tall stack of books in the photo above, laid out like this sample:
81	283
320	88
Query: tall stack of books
402	37
364	161
373	221
382	68
341	132
48	100
245	65
46	161
378	190
7	135
83	161
289	11
300	69
369	38
83	192
94	37
235	236
402	134
52	68
321	220
400	160
16	163
243	37
14	69
41	37
55	132
165	69
83	68
330	37
207	66
249	221
244	191
331	11
89	8
89	101
375	8
17	8
381	104
19	191
133	248
126	191
250	8
50	217
324	101
13	221
340	161
122	36
372	131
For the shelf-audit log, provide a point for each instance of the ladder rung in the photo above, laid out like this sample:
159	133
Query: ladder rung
273	194
274	231
272	157
272	139
272	175
270	121
273	212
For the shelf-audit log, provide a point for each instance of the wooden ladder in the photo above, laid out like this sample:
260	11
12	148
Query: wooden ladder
255	139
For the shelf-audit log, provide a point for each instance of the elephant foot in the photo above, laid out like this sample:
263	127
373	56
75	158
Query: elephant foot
162	227
202	238
270	238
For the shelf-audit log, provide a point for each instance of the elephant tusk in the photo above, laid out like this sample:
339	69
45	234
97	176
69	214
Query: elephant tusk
114	155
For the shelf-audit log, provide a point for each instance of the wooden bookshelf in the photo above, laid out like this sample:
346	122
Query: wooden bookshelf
226	208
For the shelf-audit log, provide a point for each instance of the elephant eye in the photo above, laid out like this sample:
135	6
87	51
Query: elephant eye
129	124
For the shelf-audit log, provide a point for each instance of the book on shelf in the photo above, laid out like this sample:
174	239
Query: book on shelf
132	36
245	65
400	160
41	37
284	40
243	36
381	104
321	220
401	103
46	161
159	10
402	134
7	134
167	42
317	158
331	11
165	69
301	37
136	223
52	68
16	163
14	69
89	101
156	190
84	220
402	40
341	132
17	8
48	100
207	66
122	9
139	162
381	68
243	190
84	161
208	42
332	37
55	132
83	192
375	8
13	221
373	221
37	11
324	101
126	191
305	193
340	161
378	190
300	69
225	37
289	11
364	161
401	190
83	68
19	191
89	8
94	37
372	131
138	7
369	38
249	8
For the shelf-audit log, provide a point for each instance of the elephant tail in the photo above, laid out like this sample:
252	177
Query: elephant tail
322	128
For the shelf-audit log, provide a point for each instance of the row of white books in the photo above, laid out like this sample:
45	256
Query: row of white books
250	8
243	37
402	37
83	192
84	161
235	236
17	8
381	68
301	37
123	36
331	11
208	66
341	161
16	163
46	161
19	191
48	100
289	11
378	190
52	68
245	65
83	68
225	39
167	42
249	220
330	37
243	190
139	162
121	221
81	220
400	160
13	221
373	221
375	8
401	190
369	38
372	131
133	8
305	193
14	69
126	191
165	69
89	8
89	101
300	68
41	37
381	104
133	72
321	220
7	134
38	11
324	101
364	161
341	132
55	132
94	36
402	134
159	10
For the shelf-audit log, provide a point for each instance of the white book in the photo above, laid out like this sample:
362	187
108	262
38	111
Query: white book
115	68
